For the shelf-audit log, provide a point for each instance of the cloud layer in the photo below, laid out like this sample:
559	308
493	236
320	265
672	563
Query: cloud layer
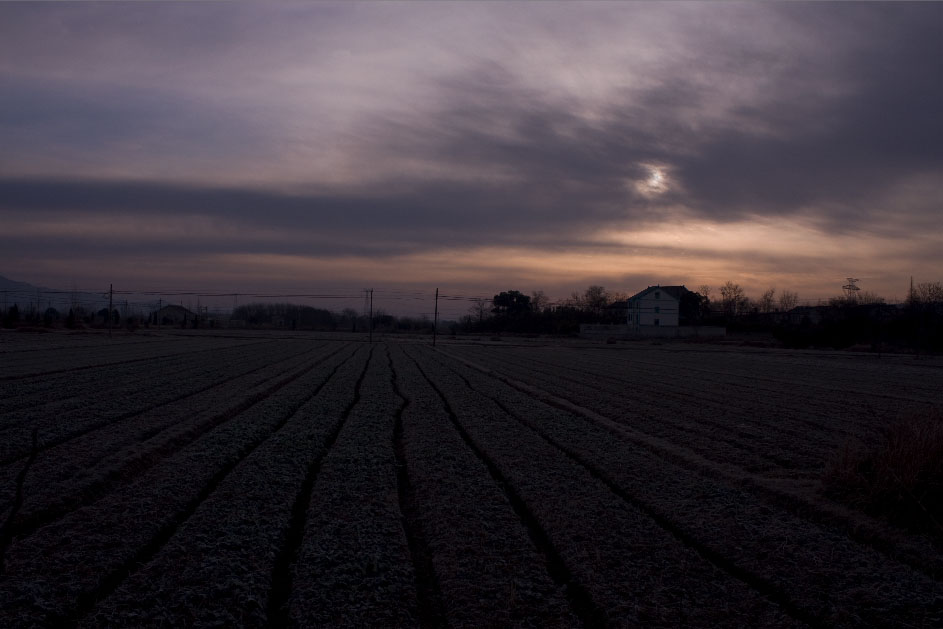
513	137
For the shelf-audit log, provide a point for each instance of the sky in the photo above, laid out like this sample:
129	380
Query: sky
474	147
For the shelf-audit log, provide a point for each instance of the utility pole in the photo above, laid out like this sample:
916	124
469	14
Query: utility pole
371	315
111	293
435	317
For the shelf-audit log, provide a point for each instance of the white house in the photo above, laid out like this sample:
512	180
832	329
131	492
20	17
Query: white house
656	306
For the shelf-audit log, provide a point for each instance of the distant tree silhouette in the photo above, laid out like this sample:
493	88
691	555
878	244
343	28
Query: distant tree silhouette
693	308
479	309
767	301
788	300
539	301
12	316
595	298
511	303
733	300
50	316
928	293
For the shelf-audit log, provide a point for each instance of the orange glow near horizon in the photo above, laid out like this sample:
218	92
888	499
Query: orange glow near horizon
757	254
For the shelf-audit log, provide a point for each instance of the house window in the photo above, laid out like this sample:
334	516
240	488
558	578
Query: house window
657	295
657	309
656	321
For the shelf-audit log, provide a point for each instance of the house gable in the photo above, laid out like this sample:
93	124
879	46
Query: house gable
656	306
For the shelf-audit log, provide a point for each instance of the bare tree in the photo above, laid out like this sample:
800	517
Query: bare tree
595	298
867	297
788	300
928	292
480	307
705	291
766	301
733	299
539	301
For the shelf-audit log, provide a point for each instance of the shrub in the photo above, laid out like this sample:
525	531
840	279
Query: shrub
899	477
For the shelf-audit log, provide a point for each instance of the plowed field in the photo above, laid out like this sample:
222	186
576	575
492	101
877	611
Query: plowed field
279	480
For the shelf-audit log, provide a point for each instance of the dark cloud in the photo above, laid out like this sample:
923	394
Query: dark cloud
82	123
819	111
838	152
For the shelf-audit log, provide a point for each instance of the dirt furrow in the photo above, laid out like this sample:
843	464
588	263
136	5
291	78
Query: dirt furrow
916	551
73	454
772	375
635	571
283	573
222	563
107	406
431	608
855	372
724	428
7	529
718	393
693	425
87	554
769	547
69	391
353	567
582	605
105	357
56	343
80	476
468	524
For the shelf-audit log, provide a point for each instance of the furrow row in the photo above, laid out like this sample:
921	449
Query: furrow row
635	571
107	403
772	548
87	554
221	564
81	473
353	566
65	392
38	365
467	522
731	425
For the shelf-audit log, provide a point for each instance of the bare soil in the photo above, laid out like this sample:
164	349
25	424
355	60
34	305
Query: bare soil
316	480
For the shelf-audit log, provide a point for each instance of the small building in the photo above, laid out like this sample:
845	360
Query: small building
656	306
173	315
652	313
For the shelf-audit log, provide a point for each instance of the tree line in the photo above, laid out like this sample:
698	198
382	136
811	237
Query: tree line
854	317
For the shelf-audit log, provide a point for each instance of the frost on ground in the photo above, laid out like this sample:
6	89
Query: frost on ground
311	480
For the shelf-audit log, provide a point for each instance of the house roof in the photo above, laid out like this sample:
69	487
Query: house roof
674	291
175	309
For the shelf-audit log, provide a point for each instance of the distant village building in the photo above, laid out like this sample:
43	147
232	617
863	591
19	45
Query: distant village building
173	315
653	312
656	306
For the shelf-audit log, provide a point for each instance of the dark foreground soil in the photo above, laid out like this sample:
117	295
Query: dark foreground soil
303	480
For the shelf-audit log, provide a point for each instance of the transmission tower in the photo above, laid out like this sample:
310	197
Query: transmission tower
851	288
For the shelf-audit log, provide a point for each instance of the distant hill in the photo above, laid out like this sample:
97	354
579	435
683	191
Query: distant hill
25	295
